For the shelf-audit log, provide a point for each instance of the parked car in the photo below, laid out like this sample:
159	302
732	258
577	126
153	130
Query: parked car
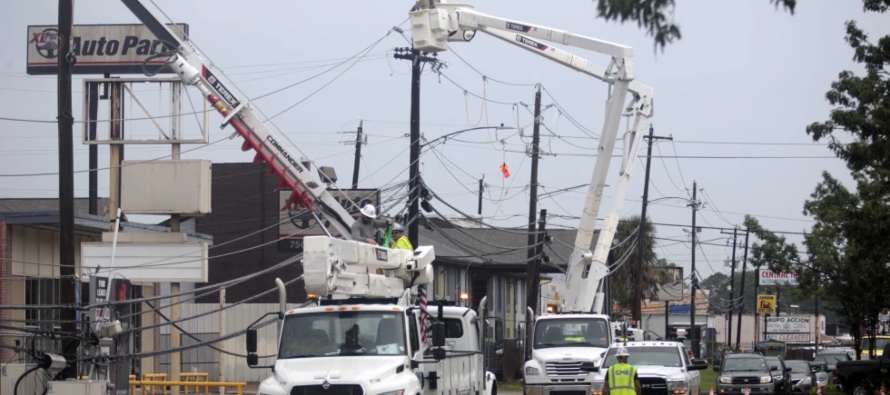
739	372
805	375
831	358
663	367
781	374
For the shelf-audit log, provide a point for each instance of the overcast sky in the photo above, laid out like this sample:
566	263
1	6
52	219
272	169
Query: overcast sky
741	85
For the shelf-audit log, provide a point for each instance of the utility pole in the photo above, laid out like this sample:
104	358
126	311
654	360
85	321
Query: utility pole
637	268
693	339
358	155
735	233
66	191
481	188
756	314
738	332
417	59
533	265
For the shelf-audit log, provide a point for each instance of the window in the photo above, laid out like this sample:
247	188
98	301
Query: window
41	291
745	364
651	356
412	326
565	332
343	333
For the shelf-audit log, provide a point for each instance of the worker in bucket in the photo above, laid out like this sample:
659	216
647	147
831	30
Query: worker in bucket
365	229
621	378
399	240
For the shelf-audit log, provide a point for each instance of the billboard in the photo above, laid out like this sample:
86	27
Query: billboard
789	324
789	337
294	225
768	277
672	289
99	49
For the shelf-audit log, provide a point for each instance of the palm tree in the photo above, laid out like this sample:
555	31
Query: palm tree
625	254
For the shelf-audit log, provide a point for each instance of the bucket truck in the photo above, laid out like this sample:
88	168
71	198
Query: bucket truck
365	335
580	333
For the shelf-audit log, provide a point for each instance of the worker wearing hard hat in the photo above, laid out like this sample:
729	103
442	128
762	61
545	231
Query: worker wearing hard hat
365	229
399	241
621	378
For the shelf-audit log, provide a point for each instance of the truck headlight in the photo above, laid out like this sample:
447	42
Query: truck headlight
530	371
679	387
805	381
766	379
399	392
596	388
725	380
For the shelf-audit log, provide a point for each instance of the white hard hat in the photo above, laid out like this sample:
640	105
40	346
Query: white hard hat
369	211
397	228
622	352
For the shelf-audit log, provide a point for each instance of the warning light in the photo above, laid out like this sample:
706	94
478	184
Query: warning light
464	296
311	296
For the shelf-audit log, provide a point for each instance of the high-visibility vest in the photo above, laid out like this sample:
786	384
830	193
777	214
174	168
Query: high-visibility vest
621	379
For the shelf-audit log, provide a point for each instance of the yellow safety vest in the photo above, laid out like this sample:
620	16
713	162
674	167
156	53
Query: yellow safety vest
621	379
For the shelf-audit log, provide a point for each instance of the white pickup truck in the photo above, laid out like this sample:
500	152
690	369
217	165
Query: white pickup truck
663	367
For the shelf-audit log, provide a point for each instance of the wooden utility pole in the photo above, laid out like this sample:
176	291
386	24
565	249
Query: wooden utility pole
692	336
637	268
735	233
738	332
358	155
66	191
533	265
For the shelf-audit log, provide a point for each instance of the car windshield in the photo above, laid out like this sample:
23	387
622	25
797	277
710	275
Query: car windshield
745	364
572	332
830	358
798	366
652	356
343	333
816	367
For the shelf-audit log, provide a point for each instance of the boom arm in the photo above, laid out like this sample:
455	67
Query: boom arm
433	28
307	190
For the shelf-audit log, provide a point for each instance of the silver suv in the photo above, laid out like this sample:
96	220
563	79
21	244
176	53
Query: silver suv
741	373
663	367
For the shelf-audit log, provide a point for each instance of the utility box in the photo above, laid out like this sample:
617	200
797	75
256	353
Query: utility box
80	387
166	187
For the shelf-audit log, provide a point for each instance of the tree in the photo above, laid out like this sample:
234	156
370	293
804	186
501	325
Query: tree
652	278
717	286
657	16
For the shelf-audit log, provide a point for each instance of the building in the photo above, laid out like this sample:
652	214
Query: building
30	269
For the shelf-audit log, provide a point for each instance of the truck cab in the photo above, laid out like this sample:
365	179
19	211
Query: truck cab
353	348
561	344
663	368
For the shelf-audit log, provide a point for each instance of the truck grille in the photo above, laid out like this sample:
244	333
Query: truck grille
564	369
653	386
333	389
746	380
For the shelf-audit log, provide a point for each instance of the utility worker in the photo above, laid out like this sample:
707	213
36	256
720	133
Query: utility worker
365	229
399	241
621	378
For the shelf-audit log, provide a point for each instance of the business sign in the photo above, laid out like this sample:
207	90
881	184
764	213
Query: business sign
767	277
294	225
766	304
99	49
789	337
788	324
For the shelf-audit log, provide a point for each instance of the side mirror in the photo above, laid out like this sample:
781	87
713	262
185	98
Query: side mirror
438	334
589	367
252	359
700	364
251	340
773	368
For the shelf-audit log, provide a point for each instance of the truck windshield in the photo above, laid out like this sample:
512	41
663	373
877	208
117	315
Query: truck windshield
745	365
572	332
343	333
652	356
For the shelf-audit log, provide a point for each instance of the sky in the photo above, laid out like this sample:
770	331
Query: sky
736	94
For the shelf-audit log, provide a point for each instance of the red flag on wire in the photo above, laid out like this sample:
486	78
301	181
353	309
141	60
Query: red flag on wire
505	170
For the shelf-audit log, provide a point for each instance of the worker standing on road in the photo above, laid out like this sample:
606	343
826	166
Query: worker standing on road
621	378
399	240
365	229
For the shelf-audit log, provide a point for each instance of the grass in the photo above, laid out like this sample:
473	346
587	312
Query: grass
708	380
511	386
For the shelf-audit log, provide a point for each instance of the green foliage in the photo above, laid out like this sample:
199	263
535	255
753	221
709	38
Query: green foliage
657	16
830	389
652	278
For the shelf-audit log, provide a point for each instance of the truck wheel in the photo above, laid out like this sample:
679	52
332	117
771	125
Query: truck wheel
862	388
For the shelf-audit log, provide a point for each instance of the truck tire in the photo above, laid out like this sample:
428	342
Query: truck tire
862	387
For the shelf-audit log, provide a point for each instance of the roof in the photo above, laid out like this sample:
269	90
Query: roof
501	247
81	205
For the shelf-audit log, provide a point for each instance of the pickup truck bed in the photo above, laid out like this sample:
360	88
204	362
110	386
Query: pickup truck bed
864	377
